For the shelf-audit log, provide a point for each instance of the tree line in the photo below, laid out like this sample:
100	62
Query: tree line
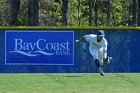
70	12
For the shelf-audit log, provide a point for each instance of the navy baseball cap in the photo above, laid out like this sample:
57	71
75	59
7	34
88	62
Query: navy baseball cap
100	33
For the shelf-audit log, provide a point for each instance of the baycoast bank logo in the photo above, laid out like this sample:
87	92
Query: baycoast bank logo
39	47
36	48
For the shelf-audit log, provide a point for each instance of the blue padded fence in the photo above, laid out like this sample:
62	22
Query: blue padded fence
123	47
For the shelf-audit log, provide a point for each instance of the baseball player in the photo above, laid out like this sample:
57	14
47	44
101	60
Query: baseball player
98	49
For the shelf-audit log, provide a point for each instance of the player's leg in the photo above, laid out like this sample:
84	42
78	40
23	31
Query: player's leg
100	56
94	53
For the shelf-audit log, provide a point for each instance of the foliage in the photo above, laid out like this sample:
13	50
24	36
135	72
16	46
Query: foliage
51	13
22	17
120	13
4	12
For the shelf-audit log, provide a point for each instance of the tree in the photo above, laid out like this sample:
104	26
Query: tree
33	12
134	12
79	19
96	12
91	4
15	7
65	12
138	12
108	13
73	12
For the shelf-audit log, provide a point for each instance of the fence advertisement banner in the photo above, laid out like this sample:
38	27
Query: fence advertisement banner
42	47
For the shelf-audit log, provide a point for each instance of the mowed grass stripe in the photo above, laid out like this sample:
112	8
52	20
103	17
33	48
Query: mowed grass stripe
69	83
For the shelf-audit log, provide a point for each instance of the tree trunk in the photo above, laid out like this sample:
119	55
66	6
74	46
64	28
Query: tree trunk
130	14
96	13
33	12
91	2
79	20
65	12
135	12
15	7
108	13
138	12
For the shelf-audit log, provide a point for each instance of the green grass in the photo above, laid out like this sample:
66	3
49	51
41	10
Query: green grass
70	83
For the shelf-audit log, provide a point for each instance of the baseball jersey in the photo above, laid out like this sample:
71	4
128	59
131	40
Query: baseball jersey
94	43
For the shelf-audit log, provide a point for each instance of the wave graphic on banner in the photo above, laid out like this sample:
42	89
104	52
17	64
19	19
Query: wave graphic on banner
36	53
44	53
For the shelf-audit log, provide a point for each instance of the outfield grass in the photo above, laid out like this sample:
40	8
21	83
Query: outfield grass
70	83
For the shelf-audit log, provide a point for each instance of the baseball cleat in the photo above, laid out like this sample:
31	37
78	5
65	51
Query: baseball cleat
101	71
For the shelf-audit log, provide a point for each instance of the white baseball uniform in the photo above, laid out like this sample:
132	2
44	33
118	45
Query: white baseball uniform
96	48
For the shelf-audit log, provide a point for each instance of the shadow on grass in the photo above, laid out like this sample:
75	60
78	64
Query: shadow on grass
73	76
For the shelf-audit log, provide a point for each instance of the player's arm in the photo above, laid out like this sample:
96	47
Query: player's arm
84	38
105	50
80	40
106	59
104	54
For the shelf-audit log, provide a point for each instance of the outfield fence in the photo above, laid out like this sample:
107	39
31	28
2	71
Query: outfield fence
37	50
